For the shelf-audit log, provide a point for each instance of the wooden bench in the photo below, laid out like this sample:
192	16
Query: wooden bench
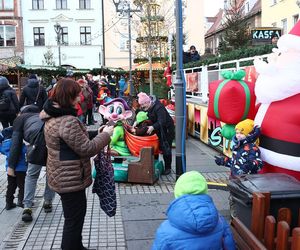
265	232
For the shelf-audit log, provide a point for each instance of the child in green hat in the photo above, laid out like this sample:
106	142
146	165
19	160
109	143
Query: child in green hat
140	126
193	220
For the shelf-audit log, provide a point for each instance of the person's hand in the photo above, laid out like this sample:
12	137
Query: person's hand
150	130
109	130
219	160
11	172
100	130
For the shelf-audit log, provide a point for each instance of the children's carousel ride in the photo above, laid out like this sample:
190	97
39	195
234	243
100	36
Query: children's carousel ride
134	158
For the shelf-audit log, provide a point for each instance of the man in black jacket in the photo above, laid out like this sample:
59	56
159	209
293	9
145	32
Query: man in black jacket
33	93
26	127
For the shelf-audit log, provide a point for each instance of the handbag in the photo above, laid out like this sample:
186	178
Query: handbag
104	183
36	152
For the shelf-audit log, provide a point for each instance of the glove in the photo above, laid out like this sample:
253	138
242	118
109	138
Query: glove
219	160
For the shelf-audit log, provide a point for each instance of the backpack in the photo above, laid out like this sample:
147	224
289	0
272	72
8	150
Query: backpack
37	151
4	102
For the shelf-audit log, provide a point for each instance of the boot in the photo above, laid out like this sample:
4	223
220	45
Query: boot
10	205
47	207
20	204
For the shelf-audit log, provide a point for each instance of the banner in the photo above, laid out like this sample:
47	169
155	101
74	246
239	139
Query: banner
192	82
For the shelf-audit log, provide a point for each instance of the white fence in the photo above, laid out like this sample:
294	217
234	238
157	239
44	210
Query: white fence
203	75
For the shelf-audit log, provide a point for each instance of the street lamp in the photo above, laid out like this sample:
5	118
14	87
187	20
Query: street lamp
58	30
123	6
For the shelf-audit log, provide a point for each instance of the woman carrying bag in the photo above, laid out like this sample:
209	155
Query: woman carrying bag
69	153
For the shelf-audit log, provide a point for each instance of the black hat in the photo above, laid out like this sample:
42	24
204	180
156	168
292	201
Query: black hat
32	76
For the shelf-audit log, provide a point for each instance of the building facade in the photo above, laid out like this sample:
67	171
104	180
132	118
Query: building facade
280	14
194	24
68	32
251	11
11	29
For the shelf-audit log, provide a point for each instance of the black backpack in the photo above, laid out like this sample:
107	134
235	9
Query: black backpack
37	151
4	102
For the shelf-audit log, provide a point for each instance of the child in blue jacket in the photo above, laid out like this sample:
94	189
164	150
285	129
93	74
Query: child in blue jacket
194	222
245	152
18	180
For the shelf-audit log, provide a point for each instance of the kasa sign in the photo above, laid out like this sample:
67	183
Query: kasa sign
264	34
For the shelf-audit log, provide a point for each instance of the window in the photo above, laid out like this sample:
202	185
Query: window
124	42
85	35
295	19
7	36
39	36
37	4
64	36
6	4
284	26
61	4
84	4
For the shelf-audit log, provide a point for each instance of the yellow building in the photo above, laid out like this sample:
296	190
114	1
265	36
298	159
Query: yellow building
280	13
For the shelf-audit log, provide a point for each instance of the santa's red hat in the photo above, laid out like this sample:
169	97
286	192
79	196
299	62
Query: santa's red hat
290	40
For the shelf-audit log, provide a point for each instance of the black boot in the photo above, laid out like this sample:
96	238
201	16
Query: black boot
10	205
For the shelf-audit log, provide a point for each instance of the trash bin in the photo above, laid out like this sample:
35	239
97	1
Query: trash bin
284	189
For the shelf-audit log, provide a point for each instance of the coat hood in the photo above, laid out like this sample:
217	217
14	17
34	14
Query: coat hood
32	83
4	84
195	214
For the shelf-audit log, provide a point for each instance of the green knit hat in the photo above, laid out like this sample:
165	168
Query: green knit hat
190	183
141	116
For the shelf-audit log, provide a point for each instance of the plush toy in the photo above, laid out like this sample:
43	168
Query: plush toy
278	90
116	111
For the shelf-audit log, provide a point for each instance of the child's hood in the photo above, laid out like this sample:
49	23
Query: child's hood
193	213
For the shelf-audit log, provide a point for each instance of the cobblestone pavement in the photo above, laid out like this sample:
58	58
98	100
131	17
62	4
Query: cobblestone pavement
99	231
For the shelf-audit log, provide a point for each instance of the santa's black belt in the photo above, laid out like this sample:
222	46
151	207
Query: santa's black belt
279	146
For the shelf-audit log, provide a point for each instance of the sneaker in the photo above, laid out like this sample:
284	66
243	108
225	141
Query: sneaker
167	171
27	215
47	207
10	206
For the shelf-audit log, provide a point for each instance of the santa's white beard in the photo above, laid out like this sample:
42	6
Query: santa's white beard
278	79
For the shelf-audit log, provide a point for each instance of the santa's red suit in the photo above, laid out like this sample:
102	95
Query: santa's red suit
278	90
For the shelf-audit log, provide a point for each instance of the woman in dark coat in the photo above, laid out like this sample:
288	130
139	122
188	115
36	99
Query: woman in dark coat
33	93
9	104
163	126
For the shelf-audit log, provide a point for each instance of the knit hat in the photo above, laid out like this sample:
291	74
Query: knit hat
143	98
245	126
141	116
191	182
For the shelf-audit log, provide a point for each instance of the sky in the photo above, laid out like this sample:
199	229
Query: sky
211	7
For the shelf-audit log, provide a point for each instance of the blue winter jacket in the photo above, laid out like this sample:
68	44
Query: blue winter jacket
5	148
193	224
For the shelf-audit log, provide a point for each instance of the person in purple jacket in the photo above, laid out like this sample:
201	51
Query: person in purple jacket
193	222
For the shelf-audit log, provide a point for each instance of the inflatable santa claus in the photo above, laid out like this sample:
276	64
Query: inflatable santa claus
277	89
